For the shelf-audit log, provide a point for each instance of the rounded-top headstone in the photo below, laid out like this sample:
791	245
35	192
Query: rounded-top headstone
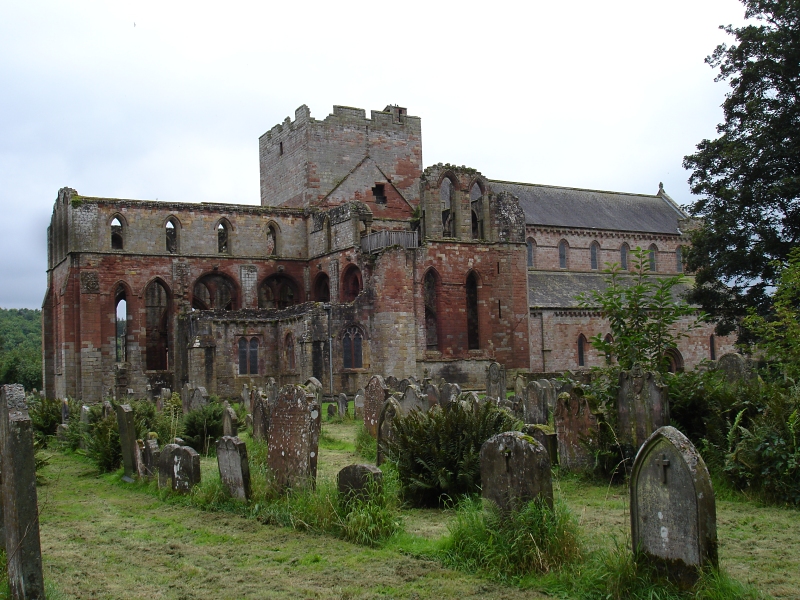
359	481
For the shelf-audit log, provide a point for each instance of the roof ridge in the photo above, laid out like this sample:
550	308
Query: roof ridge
561	187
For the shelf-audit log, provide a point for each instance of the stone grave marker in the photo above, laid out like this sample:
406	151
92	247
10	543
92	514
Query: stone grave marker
199	398
234	468
389	412
391	382
261	418
358	404
342	402
294	438
673	510
65	411
536	409
515	469
61	432
19	507
163	397
271	389
254	396
314	386
150	456
550	394
333	410
245	394
185	469
230	421
735	367
432	394
359	482
642	406
375	395
495	381
448	393
546	437
402	385
165	465
186	397
412	398
127	439
575	425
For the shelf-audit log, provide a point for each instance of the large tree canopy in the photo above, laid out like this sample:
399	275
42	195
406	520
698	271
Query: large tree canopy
748	179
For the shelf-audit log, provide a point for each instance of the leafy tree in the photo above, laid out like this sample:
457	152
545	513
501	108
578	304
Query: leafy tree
749	177
21	347
643	312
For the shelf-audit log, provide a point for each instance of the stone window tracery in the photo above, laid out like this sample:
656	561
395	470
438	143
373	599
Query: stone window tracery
352	348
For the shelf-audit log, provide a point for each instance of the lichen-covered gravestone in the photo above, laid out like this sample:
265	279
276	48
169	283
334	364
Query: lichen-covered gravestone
735	367
127	439
333	410
150	457
358	404
375	395
360	482
673	511
342	405
261	418
550	394
199	398
495	381
576	427
234	469
432	394
412	398
546	437
186	397
389	412
230	421
294	437
165	465
642	406
536	410
186	469
20	509
515	469
449	393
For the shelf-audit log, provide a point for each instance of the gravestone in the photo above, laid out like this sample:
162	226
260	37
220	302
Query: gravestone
735	367
254	396
165	465
234	469
389	412
61	432
248	421
520	383
150	456
19	507
642	407
375	395
294	438
550	394
448	393
85	411
495	381
148	389
271	390
576	427
164	396
515	469
127	439
342	402
402	385
333	410
261	418
245	394
358	404
432	394
673	511
360	482
546	437
536	410
65	411
391	382
230	421
314	386
185	469
412	398
199	398
187	392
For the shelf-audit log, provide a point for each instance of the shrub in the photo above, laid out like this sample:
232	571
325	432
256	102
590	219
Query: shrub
437	453
202	427
102	443
45	414
508	546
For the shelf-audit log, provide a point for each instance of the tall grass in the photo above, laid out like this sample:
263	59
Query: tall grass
366	445
508	546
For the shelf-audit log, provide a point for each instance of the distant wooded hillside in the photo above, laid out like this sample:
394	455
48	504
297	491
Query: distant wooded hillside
21	347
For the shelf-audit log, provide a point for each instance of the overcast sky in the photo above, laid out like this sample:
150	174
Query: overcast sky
166	100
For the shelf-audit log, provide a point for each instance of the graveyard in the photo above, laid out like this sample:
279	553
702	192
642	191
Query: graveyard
208	525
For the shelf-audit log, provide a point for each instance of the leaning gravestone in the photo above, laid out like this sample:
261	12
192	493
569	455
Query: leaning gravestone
19	505
127	439
234	469
495	381
294	438
535	407
358	404
342	405
389	412
375	395
673	511
185	469
642	406
360	482
515	469
576	426
520	383
230	421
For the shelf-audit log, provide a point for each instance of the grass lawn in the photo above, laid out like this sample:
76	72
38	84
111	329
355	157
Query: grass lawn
103	539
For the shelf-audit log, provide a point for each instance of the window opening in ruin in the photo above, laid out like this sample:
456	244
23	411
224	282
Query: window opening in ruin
352	349
679	259
531	245
675	360
322	289
652	258
278	291
712	347
351	284
214	292
116	234
562	254
473	339
623	257
171	237
121	326
446	196
272	241
156	302
593	252
280	148
476	226
253	356
289	345
431	311
475	192
379	193
242	356
222	239
581	350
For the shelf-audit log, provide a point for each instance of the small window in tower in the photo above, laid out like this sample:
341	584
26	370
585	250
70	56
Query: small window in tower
222	239
280	148
116	234
172	237
379	193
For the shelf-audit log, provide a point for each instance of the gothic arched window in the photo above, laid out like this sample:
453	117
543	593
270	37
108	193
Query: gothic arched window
652	257
117	241
223	238
352	349
582	342
156	303
473	333
171	236
431	300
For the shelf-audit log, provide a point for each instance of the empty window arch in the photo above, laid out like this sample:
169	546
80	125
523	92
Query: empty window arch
117	240
431	300
674	360
446	190
214	292
157	326
272	240
322	288
121	324
351	283
278	291
171	235
582	343
223	238
473	329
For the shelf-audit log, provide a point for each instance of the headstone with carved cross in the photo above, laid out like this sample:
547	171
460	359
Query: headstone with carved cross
673	511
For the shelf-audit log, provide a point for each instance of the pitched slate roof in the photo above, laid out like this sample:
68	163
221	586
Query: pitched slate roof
555	289
592	209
